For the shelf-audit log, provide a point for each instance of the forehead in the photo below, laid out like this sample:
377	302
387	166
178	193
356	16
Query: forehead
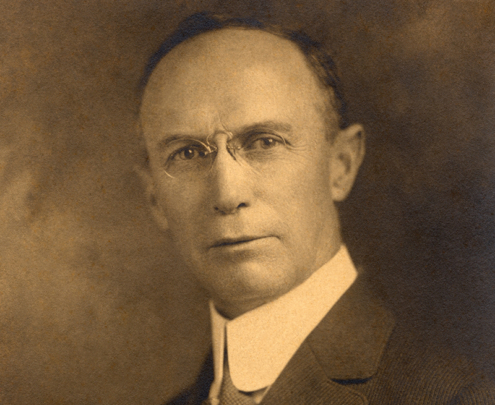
231	76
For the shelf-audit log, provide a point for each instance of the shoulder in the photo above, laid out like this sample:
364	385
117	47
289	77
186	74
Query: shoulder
418	371
198	392
480	392
182	399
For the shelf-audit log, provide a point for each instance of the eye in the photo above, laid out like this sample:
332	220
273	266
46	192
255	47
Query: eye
267	143
264	141
189	152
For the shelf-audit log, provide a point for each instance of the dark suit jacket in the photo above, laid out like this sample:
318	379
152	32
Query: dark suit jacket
358	355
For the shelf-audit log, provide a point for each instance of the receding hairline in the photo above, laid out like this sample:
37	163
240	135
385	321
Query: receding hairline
186	48
318	59
322	103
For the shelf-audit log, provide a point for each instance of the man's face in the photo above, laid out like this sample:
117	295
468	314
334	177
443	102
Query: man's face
249	233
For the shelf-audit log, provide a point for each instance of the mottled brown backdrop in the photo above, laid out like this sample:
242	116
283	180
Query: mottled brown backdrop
95	308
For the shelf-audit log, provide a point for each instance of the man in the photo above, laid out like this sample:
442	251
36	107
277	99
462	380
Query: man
249	152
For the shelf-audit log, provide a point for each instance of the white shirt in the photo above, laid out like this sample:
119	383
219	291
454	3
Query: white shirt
261	342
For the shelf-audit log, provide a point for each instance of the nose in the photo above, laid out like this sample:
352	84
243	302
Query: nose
231	183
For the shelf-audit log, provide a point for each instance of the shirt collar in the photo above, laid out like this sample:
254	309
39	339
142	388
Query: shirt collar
262	341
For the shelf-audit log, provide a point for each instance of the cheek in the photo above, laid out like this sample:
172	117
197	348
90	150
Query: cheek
181	207
305	185
305	197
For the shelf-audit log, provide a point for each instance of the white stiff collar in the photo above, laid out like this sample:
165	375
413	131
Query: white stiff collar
262	341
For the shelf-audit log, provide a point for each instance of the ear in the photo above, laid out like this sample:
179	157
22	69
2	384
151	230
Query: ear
348	150
149	186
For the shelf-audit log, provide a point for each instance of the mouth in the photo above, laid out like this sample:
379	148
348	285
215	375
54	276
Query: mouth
235	241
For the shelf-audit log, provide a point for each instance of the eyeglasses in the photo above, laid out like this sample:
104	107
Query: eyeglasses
187	159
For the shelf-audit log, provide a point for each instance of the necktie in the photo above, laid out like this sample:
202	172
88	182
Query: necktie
230	395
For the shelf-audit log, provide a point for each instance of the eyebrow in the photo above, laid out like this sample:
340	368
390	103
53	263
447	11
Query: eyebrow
274	126
264	126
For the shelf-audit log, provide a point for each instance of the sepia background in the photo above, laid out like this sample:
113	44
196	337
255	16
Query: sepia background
94	306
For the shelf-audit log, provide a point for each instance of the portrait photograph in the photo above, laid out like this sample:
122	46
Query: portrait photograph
214	202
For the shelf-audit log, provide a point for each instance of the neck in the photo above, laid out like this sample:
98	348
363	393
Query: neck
234	309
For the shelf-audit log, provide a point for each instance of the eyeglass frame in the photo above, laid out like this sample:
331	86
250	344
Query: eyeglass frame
211	148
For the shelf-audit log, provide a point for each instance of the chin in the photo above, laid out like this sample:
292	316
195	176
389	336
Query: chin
248	287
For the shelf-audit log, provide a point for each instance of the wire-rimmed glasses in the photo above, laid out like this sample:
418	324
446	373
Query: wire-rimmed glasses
188	158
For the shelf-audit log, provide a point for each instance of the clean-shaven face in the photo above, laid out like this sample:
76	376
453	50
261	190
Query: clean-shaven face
250	225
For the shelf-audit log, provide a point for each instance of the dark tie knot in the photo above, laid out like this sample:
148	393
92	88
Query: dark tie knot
230	395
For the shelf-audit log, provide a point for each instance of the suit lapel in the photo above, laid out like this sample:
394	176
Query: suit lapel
303	382
350	340
344	350
200	390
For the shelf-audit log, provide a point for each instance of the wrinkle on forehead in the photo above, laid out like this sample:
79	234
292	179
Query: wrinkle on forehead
207	123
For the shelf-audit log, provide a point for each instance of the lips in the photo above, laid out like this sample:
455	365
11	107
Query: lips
235	241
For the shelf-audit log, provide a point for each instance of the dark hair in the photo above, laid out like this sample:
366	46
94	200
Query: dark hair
319	60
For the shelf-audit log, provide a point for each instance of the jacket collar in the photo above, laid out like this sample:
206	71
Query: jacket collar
345	347
350	340
304	381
